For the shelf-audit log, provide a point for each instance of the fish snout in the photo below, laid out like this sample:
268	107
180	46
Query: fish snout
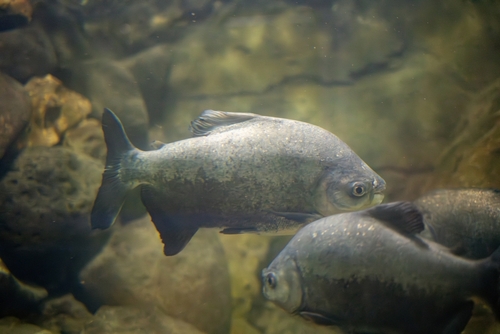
378	188
378	185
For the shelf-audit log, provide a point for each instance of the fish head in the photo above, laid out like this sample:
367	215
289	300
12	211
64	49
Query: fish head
281	284
348	189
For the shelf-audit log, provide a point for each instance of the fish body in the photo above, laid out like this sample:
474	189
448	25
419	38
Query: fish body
240	172
466	220
368	272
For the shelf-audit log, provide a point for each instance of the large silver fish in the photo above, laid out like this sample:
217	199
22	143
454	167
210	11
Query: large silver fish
466	220
240	172
368	272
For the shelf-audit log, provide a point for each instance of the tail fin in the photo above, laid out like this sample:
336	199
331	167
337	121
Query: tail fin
491	283
113	191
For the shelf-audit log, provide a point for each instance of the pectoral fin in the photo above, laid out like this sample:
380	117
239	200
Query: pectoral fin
458	322
300	217
318	319
175	231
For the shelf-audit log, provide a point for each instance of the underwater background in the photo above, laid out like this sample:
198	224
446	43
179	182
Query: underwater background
413	87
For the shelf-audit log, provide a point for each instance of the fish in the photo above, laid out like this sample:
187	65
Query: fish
370	272
466	220
240	172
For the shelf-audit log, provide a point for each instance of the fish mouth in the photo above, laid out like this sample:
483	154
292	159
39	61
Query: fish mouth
378	188
377	198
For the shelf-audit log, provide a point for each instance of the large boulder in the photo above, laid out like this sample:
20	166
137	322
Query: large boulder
136	320
45	203
15	111
107	84
11	325
17	298
132	270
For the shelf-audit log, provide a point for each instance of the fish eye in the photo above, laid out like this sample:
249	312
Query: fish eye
358	189
271	280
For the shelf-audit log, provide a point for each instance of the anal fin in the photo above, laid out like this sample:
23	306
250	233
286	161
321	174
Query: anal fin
239	230
458	322
301	217
175	231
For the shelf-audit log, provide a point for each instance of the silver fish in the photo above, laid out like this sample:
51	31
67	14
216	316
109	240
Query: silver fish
368	272
466	220
240	172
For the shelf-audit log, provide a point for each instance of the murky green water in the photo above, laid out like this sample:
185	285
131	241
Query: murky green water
413	87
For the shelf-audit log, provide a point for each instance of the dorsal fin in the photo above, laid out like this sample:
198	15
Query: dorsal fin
403	216
209	120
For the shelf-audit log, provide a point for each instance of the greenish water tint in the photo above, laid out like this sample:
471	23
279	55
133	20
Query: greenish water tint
412	87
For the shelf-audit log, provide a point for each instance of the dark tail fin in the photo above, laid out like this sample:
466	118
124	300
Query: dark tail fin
113	191
491	283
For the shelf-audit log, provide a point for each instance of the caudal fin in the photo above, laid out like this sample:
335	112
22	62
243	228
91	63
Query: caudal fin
113	191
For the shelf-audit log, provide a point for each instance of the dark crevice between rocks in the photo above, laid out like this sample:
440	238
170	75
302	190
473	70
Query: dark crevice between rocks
296	79
11	22
369	69
8	160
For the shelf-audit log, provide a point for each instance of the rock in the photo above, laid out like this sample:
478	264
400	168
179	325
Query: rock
17	298
473	157
15	111
64	315
151	70
251	54
17	7
109	85
45	203
134	320
245	254
51	41
63	23
132	270
27	52
11	325
14	14
128	27
55	110
277	321
87	138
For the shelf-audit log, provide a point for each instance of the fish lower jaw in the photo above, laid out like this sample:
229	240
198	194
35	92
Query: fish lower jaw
377	198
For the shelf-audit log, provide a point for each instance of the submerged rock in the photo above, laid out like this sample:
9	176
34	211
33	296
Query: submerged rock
277	321
236	53
55	110
15	111
151	69
108	84
17	298
63	315
11	325
245	254
136	320
45	203
26	52
193	286
14	14
87	138
473	157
